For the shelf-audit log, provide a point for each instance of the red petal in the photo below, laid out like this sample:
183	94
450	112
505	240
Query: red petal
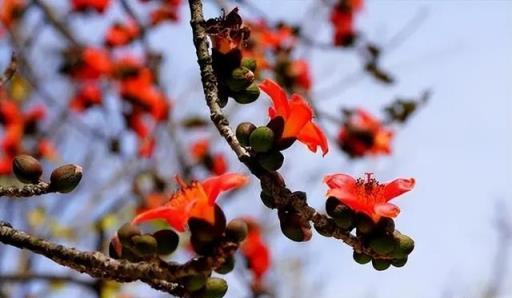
397	187
277	95
386	210
313	136
214	185
340	181
175	218
300	114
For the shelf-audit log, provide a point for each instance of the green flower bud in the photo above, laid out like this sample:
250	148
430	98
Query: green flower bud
386	225
292	227
361	258
227	267
364	224
404	247
202	247
271	161
215	288
250	94
126	232
194	283
380	265
27	169
144	245
267	200
240	79
382	244
250	63
399	262
167	241
65	178
243	131
261	139
237	230
342	215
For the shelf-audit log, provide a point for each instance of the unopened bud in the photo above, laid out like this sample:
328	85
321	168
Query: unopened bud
215	288
227	266
250	63
405	245
380	265
261	139
237	230
126	232
240	79
292	227
27	169
399	262
361	258
144	245
248	95
243	131
167	241
383	244
271	161
65	178
194	283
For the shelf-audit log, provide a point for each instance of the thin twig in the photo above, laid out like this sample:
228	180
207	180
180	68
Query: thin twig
9	71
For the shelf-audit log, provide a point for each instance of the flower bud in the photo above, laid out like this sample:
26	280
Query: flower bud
249	63
205	231
167	241
202	247
364	224
126	232
271	161
361	258
243	131
380	265
237	230
240	79
267	200
261	139
227	266
342	215
382	244
194	283
248	95
65	178
144	245
27	169
399	262
405	245
292	227
386	225
215	288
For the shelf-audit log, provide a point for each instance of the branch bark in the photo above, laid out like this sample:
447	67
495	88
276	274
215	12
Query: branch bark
28	190
158	274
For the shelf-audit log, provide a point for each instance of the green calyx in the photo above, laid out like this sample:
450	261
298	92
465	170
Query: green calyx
262	139
247	95
271	161
240	79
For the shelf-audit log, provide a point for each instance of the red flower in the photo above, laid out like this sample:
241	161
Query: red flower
11	10
300	71
83	5
342	19
88	95
298	117
121	34
255	250
167	11
227	32
196	200
368	195
47	149
364	134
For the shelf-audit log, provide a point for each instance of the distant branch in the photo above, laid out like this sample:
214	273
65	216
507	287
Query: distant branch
9	71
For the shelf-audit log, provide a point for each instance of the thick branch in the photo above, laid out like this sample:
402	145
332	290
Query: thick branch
271	182
27	190
156	273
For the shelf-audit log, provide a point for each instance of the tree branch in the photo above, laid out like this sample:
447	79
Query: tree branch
271	182
9	71
156	273
27	190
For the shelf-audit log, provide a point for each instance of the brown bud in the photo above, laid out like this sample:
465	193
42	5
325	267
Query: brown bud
27	169
65	179
237	230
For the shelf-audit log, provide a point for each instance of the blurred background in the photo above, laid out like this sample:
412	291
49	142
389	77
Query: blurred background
457	144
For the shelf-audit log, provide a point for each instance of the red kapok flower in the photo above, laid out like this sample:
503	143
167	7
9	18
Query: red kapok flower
227	32
83	5
297	115
196	200
255	250
121	34
11	10
368	195
364	134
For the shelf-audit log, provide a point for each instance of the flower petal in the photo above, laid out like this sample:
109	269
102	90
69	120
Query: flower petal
277	95
313	136
340	181
386	209
175	218
397	187
300	114
214	185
